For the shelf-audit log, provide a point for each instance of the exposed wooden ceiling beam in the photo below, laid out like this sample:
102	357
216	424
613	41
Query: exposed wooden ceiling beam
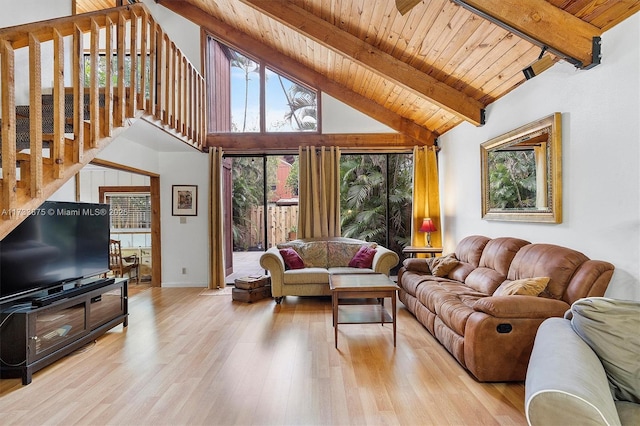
242	143
544	25
234	37
372	58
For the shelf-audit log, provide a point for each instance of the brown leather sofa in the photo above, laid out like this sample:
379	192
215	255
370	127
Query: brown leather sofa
492	336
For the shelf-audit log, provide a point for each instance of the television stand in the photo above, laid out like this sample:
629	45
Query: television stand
34	337
80	288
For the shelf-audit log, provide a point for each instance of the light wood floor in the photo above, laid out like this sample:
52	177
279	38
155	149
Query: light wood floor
195	357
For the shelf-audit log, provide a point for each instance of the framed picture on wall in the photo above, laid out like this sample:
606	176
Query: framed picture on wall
184	200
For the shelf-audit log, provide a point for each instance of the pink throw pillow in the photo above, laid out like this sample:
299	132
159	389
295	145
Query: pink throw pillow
363	258
292	259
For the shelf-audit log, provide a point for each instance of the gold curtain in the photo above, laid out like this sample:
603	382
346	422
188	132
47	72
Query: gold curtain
319	192
540	152
216	224
426	196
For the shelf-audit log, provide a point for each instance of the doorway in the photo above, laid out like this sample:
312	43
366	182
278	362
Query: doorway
263	206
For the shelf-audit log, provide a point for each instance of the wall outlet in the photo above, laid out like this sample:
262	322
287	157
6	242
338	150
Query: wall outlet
183	219
184	271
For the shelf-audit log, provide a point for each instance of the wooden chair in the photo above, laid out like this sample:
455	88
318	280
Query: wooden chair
119	265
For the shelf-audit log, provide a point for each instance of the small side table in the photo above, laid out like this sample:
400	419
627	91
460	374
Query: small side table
361	288
413	250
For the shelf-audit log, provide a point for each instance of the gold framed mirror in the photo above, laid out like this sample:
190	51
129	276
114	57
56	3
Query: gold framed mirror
521	173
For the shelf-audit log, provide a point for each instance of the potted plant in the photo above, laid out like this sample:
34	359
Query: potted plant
293	233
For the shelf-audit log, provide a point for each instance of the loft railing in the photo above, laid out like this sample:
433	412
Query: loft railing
133	70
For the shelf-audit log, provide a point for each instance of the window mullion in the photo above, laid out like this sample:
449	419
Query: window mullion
263	107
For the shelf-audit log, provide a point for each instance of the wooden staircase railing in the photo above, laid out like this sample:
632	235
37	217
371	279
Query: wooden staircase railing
167	91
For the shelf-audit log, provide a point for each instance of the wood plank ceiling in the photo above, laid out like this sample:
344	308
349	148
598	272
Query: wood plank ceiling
421	73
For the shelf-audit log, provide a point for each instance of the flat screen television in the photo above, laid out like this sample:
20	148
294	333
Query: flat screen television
60	242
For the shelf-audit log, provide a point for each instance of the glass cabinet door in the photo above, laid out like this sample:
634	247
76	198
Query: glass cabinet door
57	325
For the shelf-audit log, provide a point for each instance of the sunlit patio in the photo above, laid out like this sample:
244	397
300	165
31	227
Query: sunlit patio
245	263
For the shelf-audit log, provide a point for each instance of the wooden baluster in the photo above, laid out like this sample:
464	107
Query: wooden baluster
78	95
168	78
133	71
94	86
35	117
187	97
153	66
9	198
121	95
142	97
161	75
57	145
203	112
108	84
174	88
180	95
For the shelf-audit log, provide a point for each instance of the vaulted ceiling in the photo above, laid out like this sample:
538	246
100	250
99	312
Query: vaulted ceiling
421	73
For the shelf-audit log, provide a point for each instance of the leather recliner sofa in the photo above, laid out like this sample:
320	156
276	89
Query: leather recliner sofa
492	335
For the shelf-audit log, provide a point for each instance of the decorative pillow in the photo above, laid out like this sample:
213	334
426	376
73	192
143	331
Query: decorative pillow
340	252
313	253
610	327
292	259
417	265
441	266
363	258
524	287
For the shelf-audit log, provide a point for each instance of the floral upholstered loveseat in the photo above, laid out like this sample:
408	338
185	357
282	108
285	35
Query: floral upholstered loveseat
302	267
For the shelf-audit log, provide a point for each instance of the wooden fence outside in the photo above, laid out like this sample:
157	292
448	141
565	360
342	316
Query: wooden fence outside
282	221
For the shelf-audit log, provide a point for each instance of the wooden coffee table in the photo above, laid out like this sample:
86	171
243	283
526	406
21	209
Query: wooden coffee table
359	290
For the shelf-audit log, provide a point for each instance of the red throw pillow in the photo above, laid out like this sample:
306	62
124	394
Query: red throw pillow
292	259
363	258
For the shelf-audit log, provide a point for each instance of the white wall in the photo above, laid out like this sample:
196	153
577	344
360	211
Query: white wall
338	117
184	33
601	159
25	11
127	151
185	239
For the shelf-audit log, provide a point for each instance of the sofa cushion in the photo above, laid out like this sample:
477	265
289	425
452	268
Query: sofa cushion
461	271
341	251
292	259
306	276
547	260
610	327
363	258
454	313
417	265
313	253
628	412
499	252
469	249
412	280
524	287
441	266
484	280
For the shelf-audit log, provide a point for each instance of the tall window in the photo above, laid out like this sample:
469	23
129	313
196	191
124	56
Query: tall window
376	196
248	96
245	93
264	200
290	106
